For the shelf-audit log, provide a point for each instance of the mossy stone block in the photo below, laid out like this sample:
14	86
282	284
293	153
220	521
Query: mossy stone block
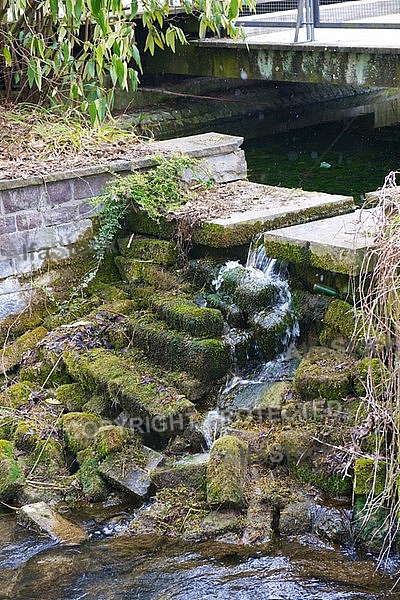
139	388
184	315
72	396
369	476
11	476
324	373
109	439
160	252
205	359
375	371
227	472
94	487
189	471
252	297
270	331
11	355
79	430
339	324
16	395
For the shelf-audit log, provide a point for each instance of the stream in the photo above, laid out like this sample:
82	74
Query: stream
154	568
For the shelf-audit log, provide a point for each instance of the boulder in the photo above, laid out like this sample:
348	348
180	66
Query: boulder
227	472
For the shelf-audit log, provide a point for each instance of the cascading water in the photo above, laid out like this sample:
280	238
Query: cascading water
263	345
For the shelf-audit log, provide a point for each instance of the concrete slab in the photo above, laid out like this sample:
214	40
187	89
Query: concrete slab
338	244
246	209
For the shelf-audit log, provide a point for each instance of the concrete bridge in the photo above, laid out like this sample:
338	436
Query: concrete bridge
366	57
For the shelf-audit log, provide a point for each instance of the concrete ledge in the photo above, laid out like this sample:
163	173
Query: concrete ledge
338	244
269	208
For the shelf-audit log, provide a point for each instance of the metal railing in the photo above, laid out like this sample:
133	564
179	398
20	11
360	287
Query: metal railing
311	14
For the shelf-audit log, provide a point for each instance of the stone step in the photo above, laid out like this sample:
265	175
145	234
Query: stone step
142	391
206	359
337	244
184	315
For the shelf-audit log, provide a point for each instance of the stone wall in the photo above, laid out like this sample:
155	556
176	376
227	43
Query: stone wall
43	218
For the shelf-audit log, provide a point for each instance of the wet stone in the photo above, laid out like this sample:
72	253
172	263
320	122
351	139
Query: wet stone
43	519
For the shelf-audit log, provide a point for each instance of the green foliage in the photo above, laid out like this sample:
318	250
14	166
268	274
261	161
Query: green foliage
79	51
155	191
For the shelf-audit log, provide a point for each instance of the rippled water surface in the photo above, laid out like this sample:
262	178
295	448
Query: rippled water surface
150	568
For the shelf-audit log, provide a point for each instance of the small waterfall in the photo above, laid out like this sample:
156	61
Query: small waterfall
252	372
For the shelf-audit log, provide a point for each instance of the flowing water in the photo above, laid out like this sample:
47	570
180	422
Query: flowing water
153	568
247	381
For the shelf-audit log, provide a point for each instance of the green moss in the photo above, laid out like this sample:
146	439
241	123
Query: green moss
269	331
94	488
140	271
158	251
371	525
290	252
110	439
369	475
251	297
324	373
16	395
332	484
72	396
133	384
11	477
378	372
8	422
227	472
26	435
184	315
140	222
105	291
339	324
11	355
206	359
79	430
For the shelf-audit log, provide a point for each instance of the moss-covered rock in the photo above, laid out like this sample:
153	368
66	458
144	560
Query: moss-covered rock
26	435
185	315
189	471
17	394
109	439
376	372
136	271
140	389
252	296
371	525
206	359
270	329
94	487
79	430
11	355
227	472
11	476
312	462
161	252
324	373
369	476
72	396
339	325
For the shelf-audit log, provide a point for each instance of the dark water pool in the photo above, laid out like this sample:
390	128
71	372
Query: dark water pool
344	157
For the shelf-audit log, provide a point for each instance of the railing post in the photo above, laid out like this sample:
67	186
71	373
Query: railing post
316	12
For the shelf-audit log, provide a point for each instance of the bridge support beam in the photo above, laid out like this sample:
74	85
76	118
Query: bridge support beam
365	67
